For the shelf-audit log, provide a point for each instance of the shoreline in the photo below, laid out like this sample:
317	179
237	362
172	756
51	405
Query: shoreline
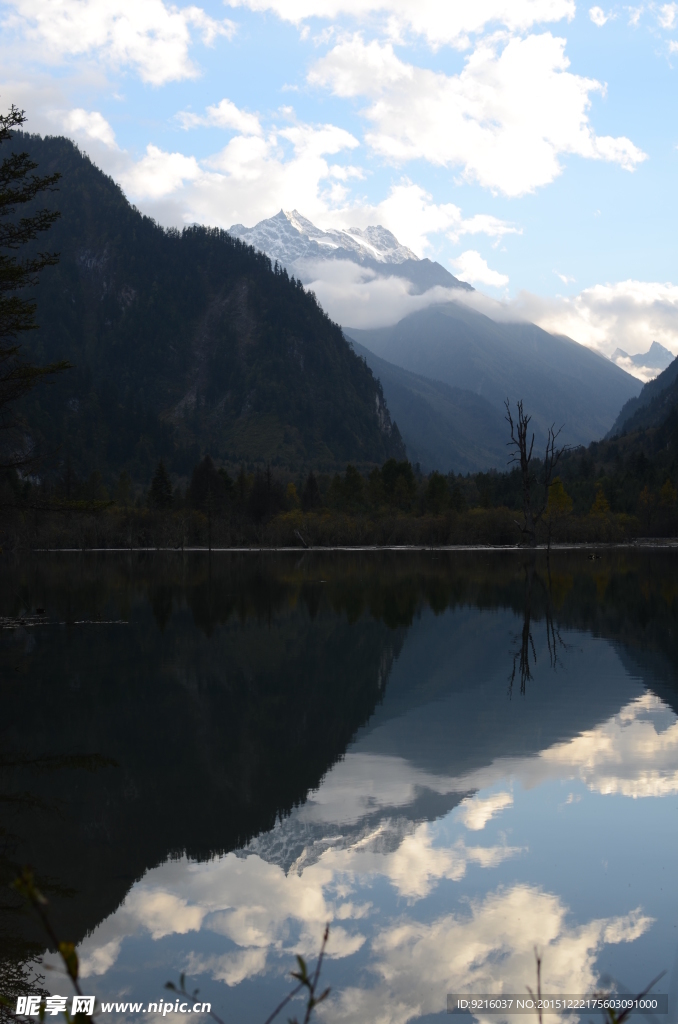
642	544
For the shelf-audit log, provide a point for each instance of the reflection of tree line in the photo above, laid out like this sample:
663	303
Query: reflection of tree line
235	728
390	587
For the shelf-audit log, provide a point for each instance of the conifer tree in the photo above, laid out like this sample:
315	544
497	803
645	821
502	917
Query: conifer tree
19	186
160	494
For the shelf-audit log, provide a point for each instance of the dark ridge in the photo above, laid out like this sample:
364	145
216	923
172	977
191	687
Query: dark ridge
184	343
653	404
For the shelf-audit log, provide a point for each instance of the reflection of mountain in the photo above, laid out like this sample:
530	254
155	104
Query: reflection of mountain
213	735
233	693
446	715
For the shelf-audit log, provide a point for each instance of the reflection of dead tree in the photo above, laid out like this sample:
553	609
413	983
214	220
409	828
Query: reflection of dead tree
525	646
521	656
553	637
534	507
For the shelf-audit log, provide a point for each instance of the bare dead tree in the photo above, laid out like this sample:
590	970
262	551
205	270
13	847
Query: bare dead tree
535	492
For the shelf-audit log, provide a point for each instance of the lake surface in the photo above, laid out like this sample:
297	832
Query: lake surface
452	758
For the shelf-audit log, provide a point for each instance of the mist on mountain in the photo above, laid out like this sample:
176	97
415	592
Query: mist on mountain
644	365
561	382
445	366
314	254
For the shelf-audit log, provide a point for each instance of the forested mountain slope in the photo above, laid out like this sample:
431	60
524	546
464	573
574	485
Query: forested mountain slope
653	404
184	343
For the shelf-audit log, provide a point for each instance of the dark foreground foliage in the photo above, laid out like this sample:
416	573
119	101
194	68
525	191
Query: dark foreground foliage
613	491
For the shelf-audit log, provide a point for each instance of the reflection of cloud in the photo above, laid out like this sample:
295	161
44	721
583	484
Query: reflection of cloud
476	812
363	784
164	913
100	959
417	864
634	753
253	909
252	903
231	968
490	950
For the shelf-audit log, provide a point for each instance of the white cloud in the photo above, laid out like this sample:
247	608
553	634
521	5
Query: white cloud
667	15
477	811
147	35
356	297
485	224
629	315
598	16
158	174
411	214
222	115
91	125
505	120
473	268
439	23
251	178
564	277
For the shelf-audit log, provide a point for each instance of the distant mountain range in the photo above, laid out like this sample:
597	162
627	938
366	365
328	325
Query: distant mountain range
649	363
560	381
298	245
184	343
444	427
447	369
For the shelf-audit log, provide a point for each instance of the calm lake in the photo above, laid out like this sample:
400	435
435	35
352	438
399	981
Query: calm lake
452	758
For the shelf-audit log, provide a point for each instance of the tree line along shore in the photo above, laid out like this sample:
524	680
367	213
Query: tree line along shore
609	493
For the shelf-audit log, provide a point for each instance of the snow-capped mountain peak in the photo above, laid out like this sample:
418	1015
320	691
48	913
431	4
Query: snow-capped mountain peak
288	237
299	246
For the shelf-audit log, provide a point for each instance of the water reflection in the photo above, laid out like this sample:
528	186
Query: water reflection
332	739
524	648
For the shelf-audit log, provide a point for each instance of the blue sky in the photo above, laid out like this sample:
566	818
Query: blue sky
528	145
